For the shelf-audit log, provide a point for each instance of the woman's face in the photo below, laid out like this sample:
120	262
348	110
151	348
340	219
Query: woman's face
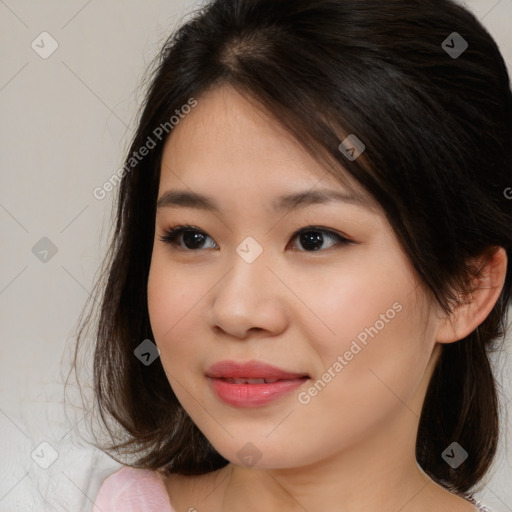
242	285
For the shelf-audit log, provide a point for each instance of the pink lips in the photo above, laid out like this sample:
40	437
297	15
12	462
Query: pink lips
252	384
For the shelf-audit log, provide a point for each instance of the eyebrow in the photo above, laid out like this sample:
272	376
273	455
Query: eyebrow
301	199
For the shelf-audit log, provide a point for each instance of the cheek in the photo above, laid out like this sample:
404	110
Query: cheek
176	310
360	304
370	333
162	299
375	365
171	299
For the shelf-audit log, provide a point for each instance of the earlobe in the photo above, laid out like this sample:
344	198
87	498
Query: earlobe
476	306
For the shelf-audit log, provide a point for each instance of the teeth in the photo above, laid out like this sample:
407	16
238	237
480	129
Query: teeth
251	381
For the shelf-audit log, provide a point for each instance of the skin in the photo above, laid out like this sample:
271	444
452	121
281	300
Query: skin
352	446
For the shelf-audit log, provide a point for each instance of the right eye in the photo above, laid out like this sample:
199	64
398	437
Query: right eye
192	237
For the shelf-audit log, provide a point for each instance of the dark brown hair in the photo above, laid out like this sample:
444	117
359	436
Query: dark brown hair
437	130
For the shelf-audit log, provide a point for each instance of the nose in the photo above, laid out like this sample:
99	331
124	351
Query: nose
249	298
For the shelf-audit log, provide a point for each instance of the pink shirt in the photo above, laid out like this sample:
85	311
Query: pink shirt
133	490
143	490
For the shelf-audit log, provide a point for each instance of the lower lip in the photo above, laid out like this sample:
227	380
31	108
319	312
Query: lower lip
254	395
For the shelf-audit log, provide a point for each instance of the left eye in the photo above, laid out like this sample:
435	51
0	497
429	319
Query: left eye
313	238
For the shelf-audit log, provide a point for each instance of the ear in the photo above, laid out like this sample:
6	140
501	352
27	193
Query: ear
476	306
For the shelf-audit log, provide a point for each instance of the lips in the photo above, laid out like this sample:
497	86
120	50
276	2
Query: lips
251	381
252	384
251	372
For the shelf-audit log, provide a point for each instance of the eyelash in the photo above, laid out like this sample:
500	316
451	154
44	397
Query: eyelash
173	233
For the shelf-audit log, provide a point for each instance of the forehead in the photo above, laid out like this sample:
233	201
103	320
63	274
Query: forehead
225	132
228	142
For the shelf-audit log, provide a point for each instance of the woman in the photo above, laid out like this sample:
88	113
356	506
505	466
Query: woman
309	264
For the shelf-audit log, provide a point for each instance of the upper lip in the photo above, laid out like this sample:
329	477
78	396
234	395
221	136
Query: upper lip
250	370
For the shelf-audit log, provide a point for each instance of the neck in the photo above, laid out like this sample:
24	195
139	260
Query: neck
377	471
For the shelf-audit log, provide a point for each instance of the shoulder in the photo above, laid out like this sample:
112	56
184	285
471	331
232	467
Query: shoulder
482	508
132	490
478	504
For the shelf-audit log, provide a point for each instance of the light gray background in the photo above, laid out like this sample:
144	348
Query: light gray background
66	124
